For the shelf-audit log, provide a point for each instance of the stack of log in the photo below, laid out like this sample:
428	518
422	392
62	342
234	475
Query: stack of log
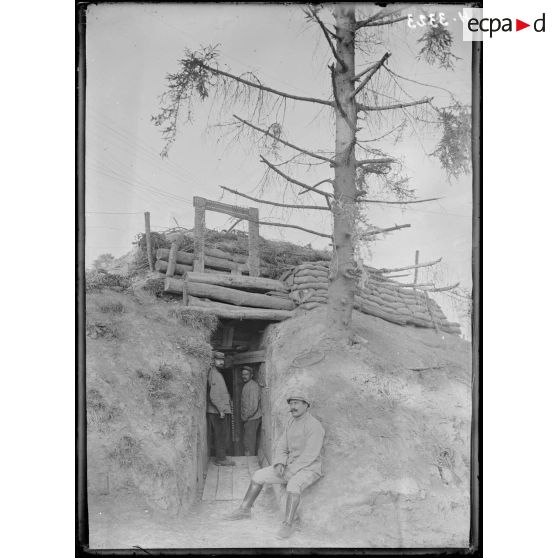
216	260
375	296
235	297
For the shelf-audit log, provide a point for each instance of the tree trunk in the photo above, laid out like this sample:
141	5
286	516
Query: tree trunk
342	285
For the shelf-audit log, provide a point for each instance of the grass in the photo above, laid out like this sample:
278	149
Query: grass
99	280
99	412
206	323
158	385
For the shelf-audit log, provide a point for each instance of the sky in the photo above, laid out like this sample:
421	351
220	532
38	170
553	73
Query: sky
132	47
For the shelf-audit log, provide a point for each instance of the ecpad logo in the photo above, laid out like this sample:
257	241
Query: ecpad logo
493	25
476	26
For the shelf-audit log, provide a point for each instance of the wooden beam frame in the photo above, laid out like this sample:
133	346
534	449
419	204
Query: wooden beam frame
251	214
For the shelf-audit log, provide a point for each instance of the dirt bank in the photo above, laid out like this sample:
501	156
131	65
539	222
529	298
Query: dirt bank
396	408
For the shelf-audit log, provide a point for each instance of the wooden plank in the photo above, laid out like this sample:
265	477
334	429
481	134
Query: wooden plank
249	357
241	481
227	209
211	480
224	486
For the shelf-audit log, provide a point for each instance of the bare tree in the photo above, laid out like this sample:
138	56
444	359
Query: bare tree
354	104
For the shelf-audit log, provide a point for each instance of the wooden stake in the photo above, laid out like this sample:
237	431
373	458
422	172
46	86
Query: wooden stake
148	241
199	234
416	267
253	243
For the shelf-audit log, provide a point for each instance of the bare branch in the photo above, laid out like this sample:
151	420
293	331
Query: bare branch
316	185
397	106
313	13
384	161
267	133
441	289
321	207
373	69
395	269
399	202
293	180
293	227
234	225
375	230
370	23
383	13
264	87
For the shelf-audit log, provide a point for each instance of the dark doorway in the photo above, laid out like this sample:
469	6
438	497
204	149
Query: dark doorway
241	341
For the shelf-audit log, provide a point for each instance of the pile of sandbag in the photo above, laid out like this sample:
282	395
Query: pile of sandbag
375	295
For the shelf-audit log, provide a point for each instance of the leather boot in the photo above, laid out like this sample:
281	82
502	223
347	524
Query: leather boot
287	527
244	511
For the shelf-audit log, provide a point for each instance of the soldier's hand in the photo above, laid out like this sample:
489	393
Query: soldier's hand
279	469
222	415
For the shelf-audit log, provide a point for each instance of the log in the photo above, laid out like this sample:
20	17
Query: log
218	253
209	261
161	266
237	281
224	294
229	312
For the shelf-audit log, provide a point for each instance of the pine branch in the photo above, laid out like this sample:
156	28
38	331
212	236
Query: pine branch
397	106
373	69
321	207
375	231
316	185
267	133
264	87
293	180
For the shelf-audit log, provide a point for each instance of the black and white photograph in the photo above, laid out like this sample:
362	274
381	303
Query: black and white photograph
280	238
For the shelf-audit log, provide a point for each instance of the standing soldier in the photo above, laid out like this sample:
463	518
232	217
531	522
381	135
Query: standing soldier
250	411
219	410
297	462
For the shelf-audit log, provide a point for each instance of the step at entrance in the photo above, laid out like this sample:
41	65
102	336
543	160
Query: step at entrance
229	483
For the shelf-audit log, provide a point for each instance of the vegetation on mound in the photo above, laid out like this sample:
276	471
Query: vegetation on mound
277	255
97	280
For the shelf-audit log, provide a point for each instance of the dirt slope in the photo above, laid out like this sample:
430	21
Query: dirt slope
396	408
145	369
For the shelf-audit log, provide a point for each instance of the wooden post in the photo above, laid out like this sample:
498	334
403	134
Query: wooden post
171	268
253	242
199	234
416	268
148	241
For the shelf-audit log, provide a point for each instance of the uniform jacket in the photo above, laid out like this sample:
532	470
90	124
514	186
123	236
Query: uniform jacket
250	408
218	398
300	446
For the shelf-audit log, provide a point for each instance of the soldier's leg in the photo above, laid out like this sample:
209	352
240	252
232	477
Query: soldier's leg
297	483
259	478
250	432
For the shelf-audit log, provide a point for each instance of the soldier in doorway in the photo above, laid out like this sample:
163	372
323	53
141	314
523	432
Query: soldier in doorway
219	410
250	411
297	462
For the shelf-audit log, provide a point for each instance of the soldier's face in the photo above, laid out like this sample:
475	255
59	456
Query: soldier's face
297	407
246	376
219	363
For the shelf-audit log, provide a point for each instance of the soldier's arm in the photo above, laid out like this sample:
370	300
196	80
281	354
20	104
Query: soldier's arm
312	449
